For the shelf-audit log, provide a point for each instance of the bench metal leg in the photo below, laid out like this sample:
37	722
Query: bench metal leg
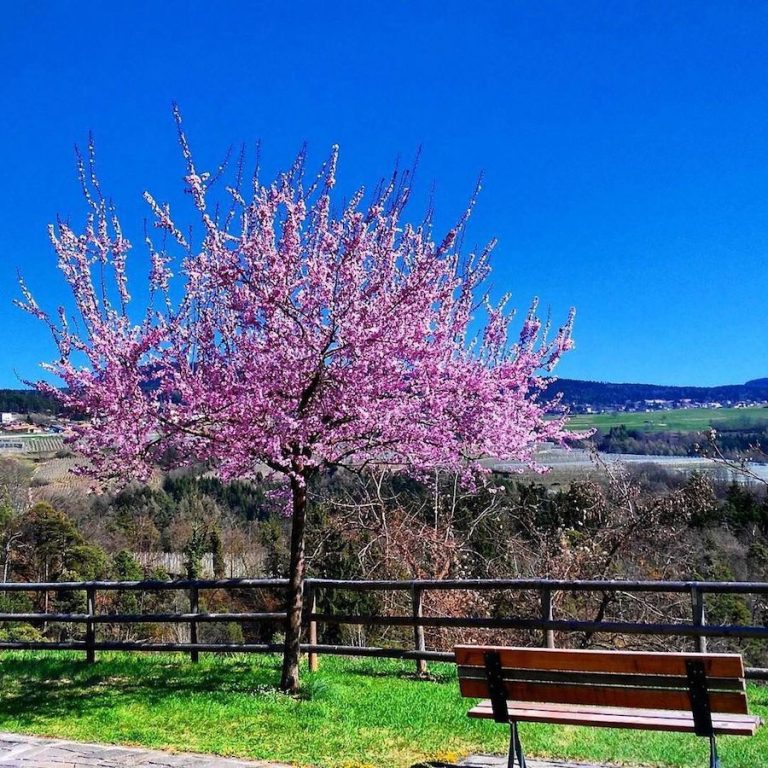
714	760
516	748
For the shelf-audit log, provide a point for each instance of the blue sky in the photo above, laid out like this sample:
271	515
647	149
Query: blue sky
624	147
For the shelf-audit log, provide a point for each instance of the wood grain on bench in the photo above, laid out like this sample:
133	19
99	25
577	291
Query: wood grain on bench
618	689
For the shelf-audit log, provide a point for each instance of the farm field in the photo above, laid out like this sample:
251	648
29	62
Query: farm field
32	444
55	474
677	420
56	470
351	714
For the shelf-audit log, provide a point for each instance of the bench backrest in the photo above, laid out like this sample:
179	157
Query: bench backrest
602	678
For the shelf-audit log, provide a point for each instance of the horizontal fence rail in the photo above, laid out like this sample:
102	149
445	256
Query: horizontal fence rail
546	624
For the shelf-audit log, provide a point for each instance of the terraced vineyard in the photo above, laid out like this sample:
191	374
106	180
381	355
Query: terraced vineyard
57	471
31	443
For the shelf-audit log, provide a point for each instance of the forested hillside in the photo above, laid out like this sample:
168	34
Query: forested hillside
27	401
575	393
602	394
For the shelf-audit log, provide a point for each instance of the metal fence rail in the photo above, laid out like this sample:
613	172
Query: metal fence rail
546	623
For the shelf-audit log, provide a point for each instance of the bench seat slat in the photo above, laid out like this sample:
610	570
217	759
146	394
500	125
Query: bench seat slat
631	662
670	682
658	720
607	696
657	713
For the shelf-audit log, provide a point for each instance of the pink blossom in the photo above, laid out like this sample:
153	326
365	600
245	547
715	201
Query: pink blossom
303	339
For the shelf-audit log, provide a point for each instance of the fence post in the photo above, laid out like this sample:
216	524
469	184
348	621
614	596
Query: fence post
194	599
313	658
418	629
699	617
90	625
546	615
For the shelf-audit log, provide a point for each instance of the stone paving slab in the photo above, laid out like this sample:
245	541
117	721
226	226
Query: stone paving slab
18	751
34	752
490	761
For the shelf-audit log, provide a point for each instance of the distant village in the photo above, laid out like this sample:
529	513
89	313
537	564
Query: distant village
606	397
46	432
25	433
657	404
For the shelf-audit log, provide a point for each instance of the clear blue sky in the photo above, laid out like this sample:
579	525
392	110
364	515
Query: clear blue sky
624	146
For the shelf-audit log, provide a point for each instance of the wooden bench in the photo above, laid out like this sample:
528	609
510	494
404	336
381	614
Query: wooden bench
701	693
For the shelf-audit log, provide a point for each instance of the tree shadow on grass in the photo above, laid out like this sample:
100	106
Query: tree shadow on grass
367	669
759	695
41	692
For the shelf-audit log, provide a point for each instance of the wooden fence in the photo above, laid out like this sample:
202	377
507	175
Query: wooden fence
545	625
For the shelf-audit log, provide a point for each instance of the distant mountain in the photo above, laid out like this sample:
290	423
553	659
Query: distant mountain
27	401
577	394
603	394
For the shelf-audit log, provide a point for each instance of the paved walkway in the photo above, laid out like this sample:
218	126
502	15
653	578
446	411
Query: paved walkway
35	752
486	761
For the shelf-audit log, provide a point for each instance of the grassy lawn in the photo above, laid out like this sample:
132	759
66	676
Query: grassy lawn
353	713
678	420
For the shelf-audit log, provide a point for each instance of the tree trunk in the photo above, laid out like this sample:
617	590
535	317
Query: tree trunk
289	681
7	560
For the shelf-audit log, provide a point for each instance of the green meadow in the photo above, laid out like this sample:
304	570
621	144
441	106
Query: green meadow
677	420
351	713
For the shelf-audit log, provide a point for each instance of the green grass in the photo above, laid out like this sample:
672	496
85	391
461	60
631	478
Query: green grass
352	713
677	420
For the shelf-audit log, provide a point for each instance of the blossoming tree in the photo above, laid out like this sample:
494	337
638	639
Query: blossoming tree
295	337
